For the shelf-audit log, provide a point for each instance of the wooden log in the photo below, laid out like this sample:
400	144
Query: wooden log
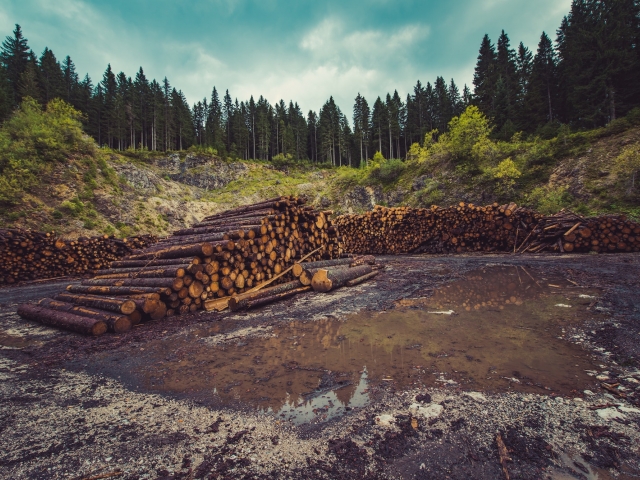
118	305
259	302
153	263
325	280
115	323
162	282
362	279
115	291
239	302
181	251
148	272
55	318
298	268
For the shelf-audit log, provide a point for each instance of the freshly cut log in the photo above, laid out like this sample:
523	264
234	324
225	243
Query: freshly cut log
68	321
259	302
115	323
162	282
134	272
118	305
240	301
298	268
362	279
153	263
115	291
180	251
325	280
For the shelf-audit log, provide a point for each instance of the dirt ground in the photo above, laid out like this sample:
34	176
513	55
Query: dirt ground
73	407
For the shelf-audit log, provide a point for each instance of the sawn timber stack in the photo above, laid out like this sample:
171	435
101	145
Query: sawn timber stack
224	255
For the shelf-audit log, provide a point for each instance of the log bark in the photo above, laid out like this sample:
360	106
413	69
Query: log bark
325	280
152	263
259	302
115	323
239	302
362	279
180	251
115	291
68	321
118	305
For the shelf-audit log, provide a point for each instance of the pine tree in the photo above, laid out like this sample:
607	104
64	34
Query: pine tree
70	82
484	77
543	87
50	78
379	122
6	95
524	65
14	57
28	83
312	135
506	84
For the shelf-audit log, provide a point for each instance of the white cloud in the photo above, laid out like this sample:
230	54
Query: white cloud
331	40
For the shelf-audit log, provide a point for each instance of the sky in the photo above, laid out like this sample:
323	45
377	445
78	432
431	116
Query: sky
304	50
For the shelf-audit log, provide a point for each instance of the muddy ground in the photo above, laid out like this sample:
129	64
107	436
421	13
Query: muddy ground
116	407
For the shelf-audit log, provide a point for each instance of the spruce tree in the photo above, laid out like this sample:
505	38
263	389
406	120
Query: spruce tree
543	87
50	77
28	84
484	77
14	57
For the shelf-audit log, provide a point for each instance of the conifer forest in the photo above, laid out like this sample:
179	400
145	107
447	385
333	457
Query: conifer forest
582	76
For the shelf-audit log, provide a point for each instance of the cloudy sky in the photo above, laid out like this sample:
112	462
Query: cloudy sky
301	50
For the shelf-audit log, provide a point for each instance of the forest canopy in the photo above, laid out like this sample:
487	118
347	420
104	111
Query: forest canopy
585	78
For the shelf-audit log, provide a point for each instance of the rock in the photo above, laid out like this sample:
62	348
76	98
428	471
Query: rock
423	398
205	172
427	412
610	414
588	393
629	410
385	420
476	396
602	378
420	182
137	177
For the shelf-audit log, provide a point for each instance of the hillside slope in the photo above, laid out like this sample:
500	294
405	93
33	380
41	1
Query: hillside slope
81	190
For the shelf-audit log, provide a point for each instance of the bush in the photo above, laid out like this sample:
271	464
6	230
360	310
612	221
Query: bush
465	131
549	200
32	139
390	170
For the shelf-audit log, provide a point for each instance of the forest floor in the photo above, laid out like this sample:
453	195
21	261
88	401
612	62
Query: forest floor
420	373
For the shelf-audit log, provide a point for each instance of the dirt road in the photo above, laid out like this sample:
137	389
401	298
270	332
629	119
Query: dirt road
412	375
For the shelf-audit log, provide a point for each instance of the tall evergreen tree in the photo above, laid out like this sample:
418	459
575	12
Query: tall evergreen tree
484	77
543	86
14	57
50	78
28	84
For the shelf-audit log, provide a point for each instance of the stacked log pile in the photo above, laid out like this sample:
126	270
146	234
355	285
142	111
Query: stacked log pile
569	232
492	228
29	255
457	229
228	254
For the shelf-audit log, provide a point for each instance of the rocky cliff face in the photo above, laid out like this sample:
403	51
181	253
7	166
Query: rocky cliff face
203	172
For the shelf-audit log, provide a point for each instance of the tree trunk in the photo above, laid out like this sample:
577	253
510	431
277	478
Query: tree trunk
115	323
325	280
54	318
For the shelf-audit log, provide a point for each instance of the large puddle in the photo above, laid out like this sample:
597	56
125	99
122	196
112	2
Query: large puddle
496	330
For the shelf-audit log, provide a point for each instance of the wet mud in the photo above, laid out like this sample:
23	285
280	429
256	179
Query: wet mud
408	376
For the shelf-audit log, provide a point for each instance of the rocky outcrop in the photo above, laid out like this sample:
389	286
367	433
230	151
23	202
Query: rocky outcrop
136	177
362	198
208	173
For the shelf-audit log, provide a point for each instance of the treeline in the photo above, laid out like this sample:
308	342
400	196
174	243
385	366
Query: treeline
586	79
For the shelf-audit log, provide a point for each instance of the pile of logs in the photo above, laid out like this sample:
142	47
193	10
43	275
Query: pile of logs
462	228
228	254
569	232
29	255
491	228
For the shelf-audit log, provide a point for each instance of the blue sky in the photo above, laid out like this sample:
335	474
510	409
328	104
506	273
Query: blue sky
300	50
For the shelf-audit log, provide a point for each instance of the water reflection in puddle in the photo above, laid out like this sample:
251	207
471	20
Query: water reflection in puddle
496	330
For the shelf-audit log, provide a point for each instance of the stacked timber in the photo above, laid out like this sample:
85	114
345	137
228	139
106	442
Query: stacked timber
569	232
491	228
29	255
226	255
461	228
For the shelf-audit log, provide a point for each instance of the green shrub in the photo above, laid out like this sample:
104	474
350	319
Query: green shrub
390	171
549	200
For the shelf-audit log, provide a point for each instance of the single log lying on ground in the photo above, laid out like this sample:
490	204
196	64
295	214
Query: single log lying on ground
68	321
325	280
180	251
115	323
362	279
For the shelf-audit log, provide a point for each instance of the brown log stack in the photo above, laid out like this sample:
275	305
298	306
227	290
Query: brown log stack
29	255
224	255
491	228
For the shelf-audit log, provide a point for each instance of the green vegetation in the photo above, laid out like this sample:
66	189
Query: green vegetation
32	140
